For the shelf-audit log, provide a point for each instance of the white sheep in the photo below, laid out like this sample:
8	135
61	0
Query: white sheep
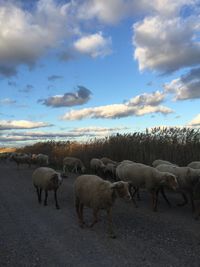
22	159
110	169
42	159
187	179
127	161
144	176
46	179
74	164
97	165
194	165
94	192
107	160
158	162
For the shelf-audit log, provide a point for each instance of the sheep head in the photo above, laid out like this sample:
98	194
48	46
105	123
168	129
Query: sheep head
56	180
122	189
170	180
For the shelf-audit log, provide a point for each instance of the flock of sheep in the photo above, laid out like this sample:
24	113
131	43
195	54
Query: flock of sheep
129	177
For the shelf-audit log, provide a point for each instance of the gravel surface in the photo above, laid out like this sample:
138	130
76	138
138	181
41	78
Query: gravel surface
34	235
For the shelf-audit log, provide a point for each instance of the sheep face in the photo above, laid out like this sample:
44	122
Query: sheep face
122	189
55	181
171	181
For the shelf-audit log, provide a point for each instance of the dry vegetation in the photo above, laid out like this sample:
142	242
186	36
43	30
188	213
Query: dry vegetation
178	145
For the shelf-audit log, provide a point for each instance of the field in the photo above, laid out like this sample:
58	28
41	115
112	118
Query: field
34	235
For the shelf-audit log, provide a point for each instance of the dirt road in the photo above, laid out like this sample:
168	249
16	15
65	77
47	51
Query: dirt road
34	235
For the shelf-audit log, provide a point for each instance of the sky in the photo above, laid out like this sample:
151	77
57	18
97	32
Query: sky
83	69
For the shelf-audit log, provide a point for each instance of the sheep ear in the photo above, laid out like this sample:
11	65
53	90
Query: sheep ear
54	178
116	185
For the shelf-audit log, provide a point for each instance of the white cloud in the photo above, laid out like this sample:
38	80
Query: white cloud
94	45
114	111
185	87
140	105
113	11
152	99
21	124
166	45
195	121
25	36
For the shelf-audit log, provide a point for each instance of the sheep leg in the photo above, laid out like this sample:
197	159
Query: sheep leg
138	195
73	169
153	201
81	221
156	200
77	204
56	200
79	211
95	218
164	196
184	198
133	194
192	202
40	195
110	224
46	196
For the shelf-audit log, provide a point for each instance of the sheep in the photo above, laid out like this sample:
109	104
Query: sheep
140	175
42	159
22	159
187	179
194	165
75	163
97	165
158	162
110	169
126	161
107	160
94	192
47	179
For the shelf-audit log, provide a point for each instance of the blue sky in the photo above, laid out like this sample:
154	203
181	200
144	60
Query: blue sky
74	70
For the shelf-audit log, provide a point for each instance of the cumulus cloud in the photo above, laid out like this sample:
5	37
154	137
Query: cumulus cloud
7	101
80	97
21	124
113	111
152	99
185	87
146	103
195	121
54	77
94	45
137	106
113	11
25	35
166	45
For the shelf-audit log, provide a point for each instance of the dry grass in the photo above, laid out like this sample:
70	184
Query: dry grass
179	146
